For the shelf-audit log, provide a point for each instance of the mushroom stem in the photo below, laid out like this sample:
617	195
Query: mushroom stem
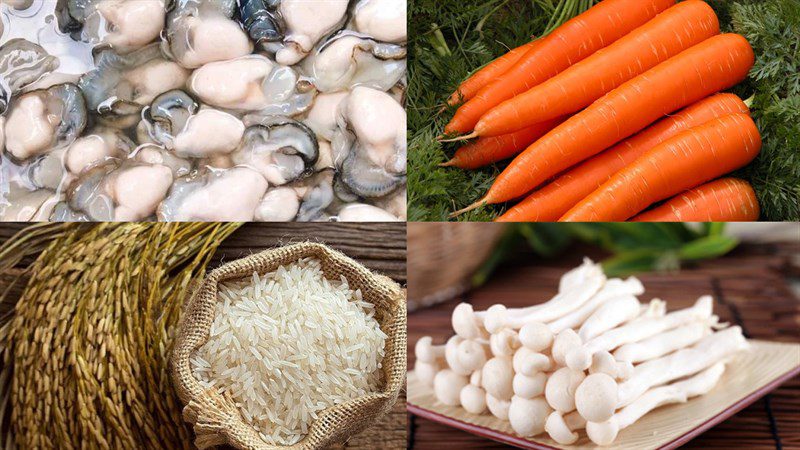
613	288
604	433
529	363
467	323
585	282
637	330
426	351
610	315
504	343
665	343
561	427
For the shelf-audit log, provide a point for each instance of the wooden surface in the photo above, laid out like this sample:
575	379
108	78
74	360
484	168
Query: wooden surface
750	288
380	247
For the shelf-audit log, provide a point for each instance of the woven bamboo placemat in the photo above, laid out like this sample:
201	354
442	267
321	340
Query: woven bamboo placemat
750	288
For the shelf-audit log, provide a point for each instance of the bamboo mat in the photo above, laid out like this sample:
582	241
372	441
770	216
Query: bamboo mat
750	288
380	247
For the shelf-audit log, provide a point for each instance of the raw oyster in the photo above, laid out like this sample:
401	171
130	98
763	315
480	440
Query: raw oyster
174	121
280	148
125	25
202	31
216	195
361	212
101	144
384	20
305	24
350	59
279	204
155	154
21	64
317	195
122	85
321	117
41	120
262	20
370	144
115	191
252	83
22	205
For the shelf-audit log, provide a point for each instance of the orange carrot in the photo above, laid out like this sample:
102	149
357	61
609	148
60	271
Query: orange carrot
557	197
723	200
485	151
488	73
671	32
682	162
710	66
573	41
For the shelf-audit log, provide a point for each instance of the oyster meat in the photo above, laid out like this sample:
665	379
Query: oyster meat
21	64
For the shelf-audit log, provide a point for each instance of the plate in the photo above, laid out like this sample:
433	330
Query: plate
748	376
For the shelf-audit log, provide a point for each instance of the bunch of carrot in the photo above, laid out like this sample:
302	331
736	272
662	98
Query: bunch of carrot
614	111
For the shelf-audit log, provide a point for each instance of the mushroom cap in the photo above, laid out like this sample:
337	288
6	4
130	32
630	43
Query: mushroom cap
564	342
529	362
504	342
471	355
529	387
602	433
536	336
498	408
528	416
558	430
496	318
475	378
561	387
426	372
451	355
447	386
473	399
604	362
424	349
579	358
597	397
497	377
465	323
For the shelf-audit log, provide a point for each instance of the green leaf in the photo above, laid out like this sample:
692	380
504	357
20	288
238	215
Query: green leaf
707	247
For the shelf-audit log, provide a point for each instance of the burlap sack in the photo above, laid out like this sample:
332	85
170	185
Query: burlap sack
217	421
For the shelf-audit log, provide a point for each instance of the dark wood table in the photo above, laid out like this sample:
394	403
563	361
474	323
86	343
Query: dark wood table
380	247
750	288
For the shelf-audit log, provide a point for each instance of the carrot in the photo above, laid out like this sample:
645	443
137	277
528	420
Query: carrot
485	151
573	41
723	200
557	197
671	32
488	73
682	162
710	66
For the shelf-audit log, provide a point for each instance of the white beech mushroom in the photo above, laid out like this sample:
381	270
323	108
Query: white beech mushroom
561	427
664	343
467	323
471	355
561	387
529	363
497	377
581	358
592	396
536	336
564	342
427	352
498	408
685	362
608	316
504	343
447	387
451	355
473	396
528	416
612	288
604	433
575	294
426	372
529	386
604	362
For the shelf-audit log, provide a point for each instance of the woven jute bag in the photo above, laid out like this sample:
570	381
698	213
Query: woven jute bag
215	418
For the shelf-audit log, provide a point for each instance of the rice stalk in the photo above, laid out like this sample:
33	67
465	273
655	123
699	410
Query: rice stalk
85	353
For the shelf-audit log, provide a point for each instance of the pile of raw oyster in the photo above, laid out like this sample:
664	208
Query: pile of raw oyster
179	110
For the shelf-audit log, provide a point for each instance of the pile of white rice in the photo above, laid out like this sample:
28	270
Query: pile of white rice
288	344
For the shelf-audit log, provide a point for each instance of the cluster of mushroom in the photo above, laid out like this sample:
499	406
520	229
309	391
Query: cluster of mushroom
593	357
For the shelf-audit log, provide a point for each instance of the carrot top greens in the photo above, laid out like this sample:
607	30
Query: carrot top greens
452	39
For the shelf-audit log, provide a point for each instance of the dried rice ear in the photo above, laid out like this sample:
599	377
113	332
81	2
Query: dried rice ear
217	421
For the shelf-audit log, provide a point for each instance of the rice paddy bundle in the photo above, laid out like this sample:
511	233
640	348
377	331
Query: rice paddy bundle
85	352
